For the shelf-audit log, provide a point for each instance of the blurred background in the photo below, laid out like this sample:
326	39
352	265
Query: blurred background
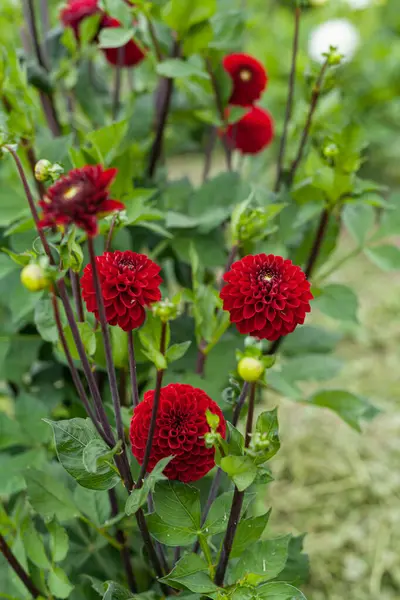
340	487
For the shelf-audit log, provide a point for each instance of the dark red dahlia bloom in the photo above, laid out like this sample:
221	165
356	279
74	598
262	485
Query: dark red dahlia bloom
129	282
76	11
81	197
131	55
180	429
252	133
266	296
249	78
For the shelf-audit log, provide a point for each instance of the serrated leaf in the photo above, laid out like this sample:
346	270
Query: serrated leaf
71	437
241	469
263	561
178	504
191	572
248	532
168	535
49	497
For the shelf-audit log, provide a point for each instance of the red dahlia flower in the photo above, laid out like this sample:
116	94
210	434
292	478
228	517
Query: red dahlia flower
131	53
180	429
76	11
129	282
252	133
249	78
81	197
266	296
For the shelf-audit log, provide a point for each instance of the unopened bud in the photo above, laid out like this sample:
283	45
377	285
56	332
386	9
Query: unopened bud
330	150
212	420
165	310
46	171
211	439
250	369
34	278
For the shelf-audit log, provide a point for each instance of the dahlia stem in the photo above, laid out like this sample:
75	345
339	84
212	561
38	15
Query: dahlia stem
237	503
153	36
221	110
31	201
163	96
110	235
107	342
311	262
74	371
18	568
132	370
218	476
117	83
154	412
212	139
201	358
306	131
121	539
289	105
76	293
230	261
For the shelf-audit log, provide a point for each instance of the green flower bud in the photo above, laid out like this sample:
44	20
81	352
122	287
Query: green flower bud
330	150
46	171
250	369
211	439
34	278
165	310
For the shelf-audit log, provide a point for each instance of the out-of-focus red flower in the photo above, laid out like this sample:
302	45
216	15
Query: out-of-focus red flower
249	78
131	53
80	197
129	282
76	11
180	429
252	133
266	296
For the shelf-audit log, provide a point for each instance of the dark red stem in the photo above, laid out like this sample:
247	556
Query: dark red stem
121	538
132	370
18	568
76	293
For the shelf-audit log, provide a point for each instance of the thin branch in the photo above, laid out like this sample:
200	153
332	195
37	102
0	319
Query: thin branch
289	105
106	341
18	568
237	504
76	293
110	235
31	19
306	131
154	413
121	538
132	370
164	94
240	403
221	109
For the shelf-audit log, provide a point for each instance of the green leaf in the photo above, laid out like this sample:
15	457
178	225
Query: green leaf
59	584
28	410
248	532
150	338
268	426
115	37
351	408
71	438
88	28
197	38
297	568
115	591
218	516
175	67
48	496
311	367
385	257
311	339
34	546
97	453
6	266
10	432
13	466
95	505
181	16
168	535
241	469
338	301
191	572
178	504
264	560
279	591
59	541
176	351
88	338
138	497
359	220
44	320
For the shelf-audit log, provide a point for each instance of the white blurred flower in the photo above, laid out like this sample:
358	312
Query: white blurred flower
359	4
339	33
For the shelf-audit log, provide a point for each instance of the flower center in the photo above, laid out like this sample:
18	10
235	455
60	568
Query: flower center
127	263
245	75
72	192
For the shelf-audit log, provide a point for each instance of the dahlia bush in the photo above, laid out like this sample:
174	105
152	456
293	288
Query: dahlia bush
146	317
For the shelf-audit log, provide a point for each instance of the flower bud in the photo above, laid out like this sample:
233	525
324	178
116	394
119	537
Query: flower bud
330	150
34	278
250	369
212	420
46	171
211	439
165	310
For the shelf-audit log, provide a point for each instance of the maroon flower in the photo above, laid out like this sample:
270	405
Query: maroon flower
266	296
76	11
80	197
249	78
131	53
180	429
129	282
252	133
